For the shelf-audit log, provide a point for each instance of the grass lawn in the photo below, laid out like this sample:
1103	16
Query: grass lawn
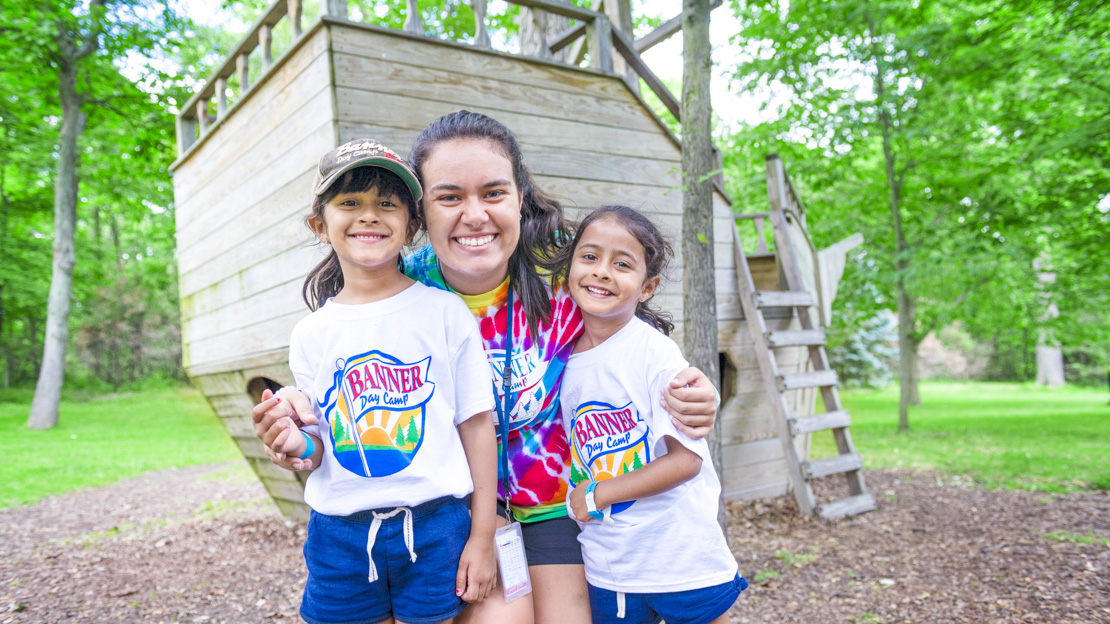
1005	435
102	440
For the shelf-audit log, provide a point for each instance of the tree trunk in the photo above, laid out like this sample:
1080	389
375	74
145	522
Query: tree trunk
907	343
699	291
1050	366
48	390
915	396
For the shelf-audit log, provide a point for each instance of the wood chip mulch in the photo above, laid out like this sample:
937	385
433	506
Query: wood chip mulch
204	544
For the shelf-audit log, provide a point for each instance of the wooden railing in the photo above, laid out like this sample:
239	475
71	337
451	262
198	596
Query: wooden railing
592	32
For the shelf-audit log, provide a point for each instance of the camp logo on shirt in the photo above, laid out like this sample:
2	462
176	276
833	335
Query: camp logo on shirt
379	407
528	370
607	441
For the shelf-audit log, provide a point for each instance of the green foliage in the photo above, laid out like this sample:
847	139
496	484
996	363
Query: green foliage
1002	435
1083	538
124	324
998	143
862	355
102	440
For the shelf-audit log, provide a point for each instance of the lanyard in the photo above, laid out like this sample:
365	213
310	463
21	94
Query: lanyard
506	385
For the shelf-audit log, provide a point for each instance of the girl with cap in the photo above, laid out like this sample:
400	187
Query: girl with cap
399	427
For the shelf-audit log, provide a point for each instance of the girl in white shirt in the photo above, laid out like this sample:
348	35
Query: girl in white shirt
400	432
645	494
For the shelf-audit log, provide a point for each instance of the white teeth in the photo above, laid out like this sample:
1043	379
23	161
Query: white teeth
598	291
474	241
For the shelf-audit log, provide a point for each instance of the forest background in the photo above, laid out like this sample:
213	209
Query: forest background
969	142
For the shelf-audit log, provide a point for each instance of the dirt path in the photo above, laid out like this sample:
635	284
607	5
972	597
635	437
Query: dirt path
204	545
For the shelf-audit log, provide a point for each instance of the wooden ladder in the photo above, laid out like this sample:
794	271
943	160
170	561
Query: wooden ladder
784	206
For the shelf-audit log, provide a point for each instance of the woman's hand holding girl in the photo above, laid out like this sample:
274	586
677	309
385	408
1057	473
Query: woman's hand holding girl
692	400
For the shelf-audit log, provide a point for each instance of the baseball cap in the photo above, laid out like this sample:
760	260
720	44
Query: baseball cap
362	153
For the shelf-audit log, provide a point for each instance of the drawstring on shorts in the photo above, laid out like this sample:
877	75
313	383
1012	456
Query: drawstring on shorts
376	524
620	605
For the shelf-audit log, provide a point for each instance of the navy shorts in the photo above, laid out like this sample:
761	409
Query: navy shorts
550	542
339	589
694	606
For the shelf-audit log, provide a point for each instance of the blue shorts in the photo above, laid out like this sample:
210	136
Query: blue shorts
694	606
339	589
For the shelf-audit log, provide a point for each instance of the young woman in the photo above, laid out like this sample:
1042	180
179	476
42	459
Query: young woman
492	239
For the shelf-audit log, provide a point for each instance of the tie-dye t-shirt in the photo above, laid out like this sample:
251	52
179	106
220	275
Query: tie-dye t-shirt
539	455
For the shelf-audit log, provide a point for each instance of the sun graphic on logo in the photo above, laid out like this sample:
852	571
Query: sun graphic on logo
615	464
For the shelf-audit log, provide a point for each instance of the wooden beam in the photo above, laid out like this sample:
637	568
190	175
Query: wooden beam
294	12
265	41
202	115
186	134
820	422
783	298
847	507
336	9
243	66
414	23
567	37
558	8
481	35
599	34
833	465
625	49
665	31
221	98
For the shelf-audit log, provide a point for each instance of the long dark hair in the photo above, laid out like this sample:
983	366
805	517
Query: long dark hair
543	224
326	280
657	253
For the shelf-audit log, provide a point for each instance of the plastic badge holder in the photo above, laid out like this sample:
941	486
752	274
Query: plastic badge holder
512	561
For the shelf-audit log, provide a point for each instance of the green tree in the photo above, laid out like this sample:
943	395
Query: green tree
412	434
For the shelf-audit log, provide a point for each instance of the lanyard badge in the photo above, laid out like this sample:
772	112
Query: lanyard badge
509	540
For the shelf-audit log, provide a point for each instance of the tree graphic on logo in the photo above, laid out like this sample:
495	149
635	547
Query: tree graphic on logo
636	463
411	433
400	439
576	475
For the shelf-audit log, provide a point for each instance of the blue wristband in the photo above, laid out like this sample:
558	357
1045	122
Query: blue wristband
309	447
596	513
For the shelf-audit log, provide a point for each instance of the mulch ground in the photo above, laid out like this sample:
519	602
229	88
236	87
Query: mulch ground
204	544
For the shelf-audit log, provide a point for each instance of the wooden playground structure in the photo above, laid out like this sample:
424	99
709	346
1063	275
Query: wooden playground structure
250	138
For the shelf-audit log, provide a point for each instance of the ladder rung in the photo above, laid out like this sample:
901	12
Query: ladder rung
804	337
833	465
782	298
847	507
812	379
820	422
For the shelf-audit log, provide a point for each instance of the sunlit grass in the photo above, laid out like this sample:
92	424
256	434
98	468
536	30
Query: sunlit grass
102	440
1002	434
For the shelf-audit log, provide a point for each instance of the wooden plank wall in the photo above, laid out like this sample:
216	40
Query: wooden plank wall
243	192
242	248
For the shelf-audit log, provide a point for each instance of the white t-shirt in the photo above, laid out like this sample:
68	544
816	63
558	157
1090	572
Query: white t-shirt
403	373
610	400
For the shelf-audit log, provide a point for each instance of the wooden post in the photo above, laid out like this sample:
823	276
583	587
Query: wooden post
533	33
242	64
186	134
620	15
202	115
334	8
221	97
761	241
265	41
481	35
599	35
413	22
295	16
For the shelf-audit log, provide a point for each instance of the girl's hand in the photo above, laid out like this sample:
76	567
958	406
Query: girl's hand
578	503
277	417
692	400
477	575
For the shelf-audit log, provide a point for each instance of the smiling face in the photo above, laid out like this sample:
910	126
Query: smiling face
367	230
608	274
472	209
